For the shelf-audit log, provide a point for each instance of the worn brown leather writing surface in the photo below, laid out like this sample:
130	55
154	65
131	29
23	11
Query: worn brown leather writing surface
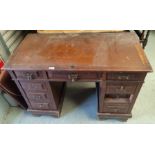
97	51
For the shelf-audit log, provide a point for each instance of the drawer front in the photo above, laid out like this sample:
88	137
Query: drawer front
40	106
126	76
120	88
75	76
117	105
117	101
115	109
30	75
34	86
38	97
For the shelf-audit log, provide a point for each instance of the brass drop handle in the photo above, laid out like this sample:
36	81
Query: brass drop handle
43	105
123	77
122	88
29	76
73	77
37	97
116	110
40	105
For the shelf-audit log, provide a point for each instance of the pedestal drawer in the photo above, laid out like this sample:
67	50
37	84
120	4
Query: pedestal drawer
40	106
115	109
116	105
38	97
121	87
34	86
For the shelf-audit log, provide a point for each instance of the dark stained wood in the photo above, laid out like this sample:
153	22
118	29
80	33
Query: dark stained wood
49	103
34	86
30	75
9	87
123	117
120	87
126	76
134	97
75	76
52	112
42	65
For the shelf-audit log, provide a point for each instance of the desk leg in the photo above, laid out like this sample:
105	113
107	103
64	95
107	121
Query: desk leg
101	89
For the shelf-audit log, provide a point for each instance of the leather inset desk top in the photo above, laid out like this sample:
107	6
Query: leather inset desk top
85	52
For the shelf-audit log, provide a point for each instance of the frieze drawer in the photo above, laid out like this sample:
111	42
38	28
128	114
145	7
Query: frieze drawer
30	75
126	76
75	76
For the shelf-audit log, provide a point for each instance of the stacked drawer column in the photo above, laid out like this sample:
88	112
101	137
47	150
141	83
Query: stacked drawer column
38	92
117	94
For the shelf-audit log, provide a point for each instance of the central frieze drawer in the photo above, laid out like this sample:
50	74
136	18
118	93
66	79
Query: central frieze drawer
75	76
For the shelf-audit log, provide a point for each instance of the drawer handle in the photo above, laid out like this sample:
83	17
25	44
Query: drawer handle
29	76
122	89
37	97
40	105
73	77
116	110
123	77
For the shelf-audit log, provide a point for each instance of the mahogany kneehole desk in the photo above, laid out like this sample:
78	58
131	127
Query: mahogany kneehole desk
43	63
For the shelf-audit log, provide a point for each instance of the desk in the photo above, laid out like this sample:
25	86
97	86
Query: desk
43	63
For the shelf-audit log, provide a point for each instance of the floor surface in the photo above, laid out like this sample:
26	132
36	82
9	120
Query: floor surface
80	103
